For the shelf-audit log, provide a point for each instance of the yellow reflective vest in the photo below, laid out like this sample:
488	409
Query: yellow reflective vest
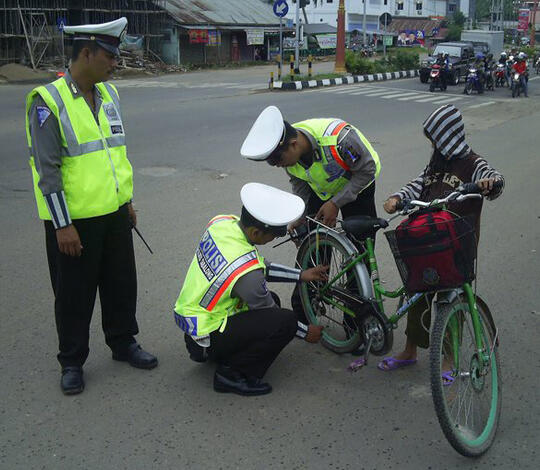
222	257
96	174
329	172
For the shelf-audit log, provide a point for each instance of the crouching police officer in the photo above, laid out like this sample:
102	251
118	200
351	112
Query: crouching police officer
224	306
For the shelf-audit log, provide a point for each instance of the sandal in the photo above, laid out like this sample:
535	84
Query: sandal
448	378
391	363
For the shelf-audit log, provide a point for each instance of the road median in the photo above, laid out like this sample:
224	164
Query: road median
346	80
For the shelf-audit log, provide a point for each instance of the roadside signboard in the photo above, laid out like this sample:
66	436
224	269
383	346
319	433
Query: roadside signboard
327	41
523	19
255	37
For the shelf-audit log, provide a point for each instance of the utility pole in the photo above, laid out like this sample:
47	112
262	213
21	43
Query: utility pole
495	15
297	48
364	24
340	43
533	23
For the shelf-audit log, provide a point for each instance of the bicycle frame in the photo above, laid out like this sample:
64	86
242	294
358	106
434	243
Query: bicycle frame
381	293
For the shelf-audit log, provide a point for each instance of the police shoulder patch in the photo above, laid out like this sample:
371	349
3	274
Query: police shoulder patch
42	114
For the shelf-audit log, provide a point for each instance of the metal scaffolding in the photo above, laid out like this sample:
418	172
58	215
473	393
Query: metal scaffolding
29	33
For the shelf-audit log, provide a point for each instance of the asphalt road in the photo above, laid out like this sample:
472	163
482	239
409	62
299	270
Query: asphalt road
184	144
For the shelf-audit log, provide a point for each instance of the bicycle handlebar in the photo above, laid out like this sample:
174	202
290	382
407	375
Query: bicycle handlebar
464	192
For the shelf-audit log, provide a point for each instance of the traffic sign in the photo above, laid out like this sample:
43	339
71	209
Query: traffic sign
281	8
60	23
387	17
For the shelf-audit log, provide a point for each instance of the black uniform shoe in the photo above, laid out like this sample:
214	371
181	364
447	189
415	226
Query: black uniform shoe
72	380
227	380
136	357
196	352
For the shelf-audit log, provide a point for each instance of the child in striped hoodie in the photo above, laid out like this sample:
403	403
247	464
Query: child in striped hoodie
452	163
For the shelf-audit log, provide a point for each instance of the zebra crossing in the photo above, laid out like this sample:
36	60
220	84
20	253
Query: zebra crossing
142	83
397	94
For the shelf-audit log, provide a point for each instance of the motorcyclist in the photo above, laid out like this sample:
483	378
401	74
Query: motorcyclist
442	61
488	63
480	70
446	68
509	64
503	58
520	66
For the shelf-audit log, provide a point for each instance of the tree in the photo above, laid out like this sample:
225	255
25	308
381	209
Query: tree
459	19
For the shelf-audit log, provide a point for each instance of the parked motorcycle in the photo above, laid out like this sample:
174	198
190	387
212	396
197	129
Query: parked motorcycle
516	86
436	78
367	51
500	76
473	82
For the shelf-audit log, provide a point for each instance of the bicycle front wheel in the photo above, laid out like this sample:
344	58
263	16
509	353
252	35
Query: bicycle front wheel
465	379
341	332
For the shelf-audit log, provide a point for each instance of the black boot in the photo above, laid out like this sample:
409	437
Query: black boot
227	380
136	357
72	381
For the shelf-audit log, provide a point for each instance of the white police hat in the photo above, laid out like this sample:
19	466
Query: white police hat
274	208
107	35
265	135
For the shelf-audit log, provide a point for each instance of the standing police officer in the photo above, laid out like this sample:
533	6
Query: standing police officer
83	184
224	306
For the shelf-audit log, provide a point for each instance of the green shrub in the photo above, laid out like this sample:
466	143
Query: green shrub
530	51
358	65
404	60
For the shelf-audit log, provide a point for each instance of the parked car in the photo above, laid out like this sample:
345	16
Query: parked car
460	55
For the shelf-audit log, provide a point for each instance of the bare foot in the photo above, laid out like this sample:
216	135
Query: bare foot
405	355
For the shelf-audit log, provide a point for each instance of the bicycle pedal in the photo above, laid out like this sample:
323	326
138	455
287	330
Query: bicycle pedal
355	366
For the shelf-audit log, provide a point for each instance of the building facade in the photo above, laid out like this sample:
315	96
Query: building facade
325	11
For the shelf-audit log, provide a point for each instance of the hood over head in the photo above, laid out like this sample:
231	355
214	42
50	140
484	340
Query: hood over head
445	128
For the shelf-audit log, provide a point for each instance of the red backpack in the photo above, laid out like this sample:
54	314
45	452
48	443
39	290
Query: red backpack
436	250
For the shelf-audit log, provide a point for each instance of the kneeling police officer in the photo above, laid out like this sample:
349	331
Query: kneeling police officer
225	308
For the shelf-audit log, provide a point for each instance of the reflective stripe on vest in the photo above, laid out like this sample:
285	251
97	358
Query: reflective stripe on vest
235	269
333	130
187	324
219	218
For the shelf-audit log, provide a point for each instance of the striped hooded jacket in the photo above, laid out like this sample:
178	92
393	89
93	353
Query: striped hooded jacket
452	164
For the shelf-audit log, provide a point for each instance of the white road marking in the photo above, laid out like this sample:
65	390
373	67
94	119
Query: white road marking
429	98
375	93
448	100
360	92
397	95
487	103
409	98
353	89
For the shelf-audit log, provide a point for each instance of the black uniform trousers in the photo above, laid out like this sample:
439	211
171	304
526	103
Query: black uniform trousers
251	340
364	204
107	262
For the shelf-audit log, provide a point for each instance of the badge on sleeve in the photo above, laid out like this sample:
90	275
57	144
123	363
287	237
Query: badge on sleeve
42	114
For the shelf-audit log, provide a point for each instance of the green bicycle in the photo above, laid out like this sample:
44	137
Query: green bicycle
464	338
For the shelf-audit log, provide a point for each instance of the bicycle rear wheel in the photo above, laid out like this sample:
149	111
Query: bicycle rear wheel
469	408
342	332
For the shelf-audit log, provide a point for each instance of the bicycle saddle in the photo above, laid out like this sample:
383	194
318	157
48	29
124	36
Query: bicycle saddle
360	224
